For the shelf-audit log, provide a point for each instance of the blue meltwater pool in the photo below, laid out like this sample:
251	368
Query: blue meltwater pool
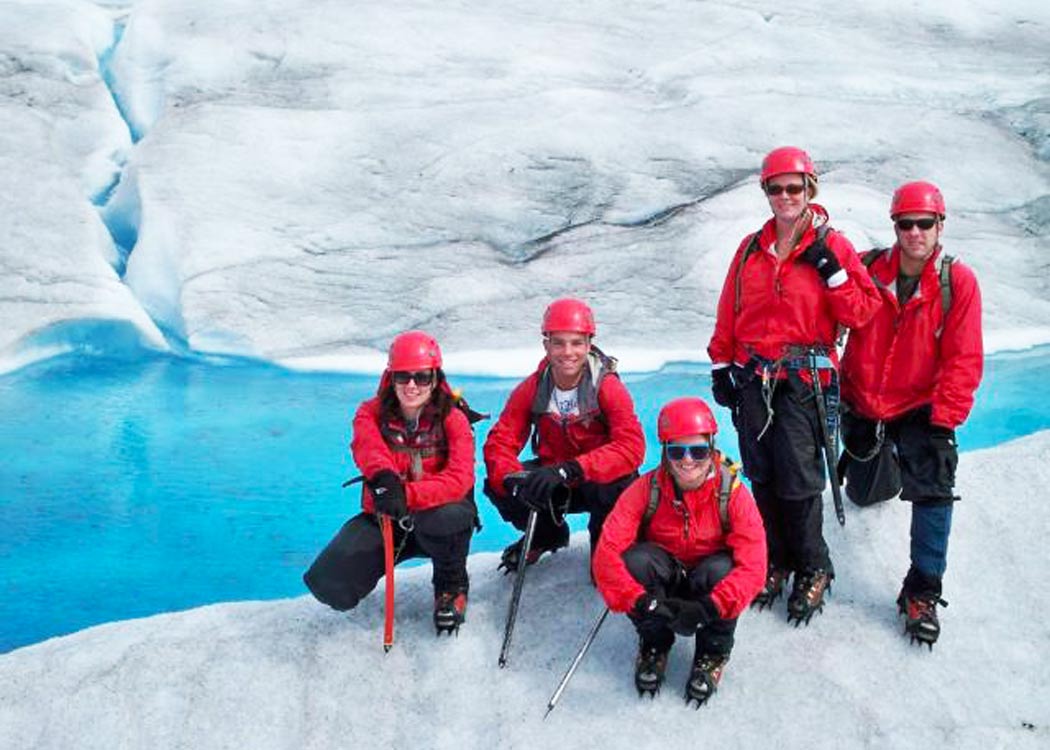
134	487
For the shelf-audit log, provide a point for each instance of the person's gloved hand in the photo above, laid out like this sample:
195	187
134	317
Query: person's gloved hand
723	388
819	256
650	606
942	440
540	483
690	616
388	494
513	484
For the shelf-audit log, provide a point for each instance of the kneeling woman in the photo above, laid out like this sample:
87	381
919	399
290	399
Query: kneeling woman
683	551
415	448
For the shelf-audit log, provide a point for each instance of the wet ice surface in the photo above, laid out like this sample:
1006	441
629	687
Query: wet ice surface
292	673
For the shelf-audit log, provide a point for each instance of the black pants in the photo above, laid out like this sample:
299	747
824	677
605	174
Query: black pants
663	575
786	469
352	563
589	497
927	479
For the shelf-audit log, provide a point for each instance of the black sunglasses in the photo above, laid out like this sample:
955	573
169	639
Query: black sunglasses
793	189
925	225
423	378
697	452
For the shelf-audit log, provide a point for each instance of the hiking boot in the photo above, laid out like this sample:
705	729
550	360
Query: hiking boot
450	610
512	554
704	678
920	616
776	579
649	667
807	595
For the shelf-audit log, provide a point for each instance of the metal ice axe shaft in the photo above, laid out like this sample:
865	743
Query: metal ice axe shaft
829	448
575	663
519	580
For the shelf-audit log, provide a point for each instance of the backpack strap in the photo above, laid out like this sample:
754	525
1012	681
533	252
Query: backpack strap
873	255
751	249
650	508
944	276
727	482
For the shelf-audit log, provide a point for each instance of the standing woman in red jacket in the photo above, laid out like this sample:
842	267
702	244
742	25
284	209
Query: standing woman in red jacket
683	551
415	448
789	287
908	380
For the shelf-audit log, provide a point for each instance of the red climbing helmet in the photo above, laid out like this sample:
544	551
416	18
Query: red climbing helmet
917	197
569	314
787	160
413	350
685	416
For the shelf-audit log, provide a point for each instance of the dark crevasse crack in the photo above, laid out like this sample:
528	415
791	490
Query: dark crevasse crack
121	216
118	203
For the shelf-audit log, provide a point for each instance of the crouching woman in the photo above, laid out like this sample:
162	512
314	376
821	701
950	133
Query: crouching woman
415	448
683	551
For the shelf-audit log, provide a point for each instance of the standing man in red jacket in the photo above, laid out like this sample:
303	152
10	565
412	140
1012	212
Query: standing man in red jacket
909	377
684	551
790	286
586	438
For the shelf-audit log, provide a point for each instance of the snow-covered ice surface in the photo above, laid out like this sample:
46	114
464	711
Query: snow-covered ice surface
298	181
293	673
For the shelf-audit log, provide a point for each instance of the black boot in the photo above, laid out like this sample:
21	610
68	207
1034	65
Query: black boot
920	594
649	668
807	595
776	579
704	677
450	611
512	554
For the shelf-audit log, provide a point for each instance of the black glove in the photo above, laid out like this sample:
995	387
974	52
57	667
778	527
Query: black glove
513	484
649	606
388	494
541	483
942	438
723	388
690	616
821	258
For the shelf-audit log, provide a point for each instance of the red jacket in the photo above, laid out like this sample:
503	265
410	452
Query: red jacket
688	538
788	303
896	362
443	454
606	438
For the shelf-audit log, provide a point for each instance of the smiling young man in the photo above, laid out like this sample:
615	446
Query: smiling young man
585	435
683	551
909	377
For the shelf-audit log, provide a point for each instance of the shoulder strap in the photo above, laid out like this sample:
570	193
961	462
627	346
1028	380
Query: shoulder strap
944	276
873	255
727	481
650	508
727	473
752	247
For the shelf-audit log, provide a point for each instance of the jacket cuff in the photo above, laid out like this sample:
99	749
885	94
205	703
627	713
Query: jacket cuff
838	278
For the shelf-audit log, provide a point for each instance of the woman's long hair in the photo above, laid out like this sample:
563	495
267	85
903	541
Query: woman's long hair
440	403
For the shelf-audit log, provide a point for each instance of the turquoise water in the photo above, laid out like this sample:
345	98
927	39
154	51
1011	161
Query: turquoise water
131	487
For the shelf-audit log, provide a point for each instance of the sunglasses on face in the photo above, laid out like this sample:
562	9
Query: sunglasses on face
925	225
423	378
793	189
697	452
